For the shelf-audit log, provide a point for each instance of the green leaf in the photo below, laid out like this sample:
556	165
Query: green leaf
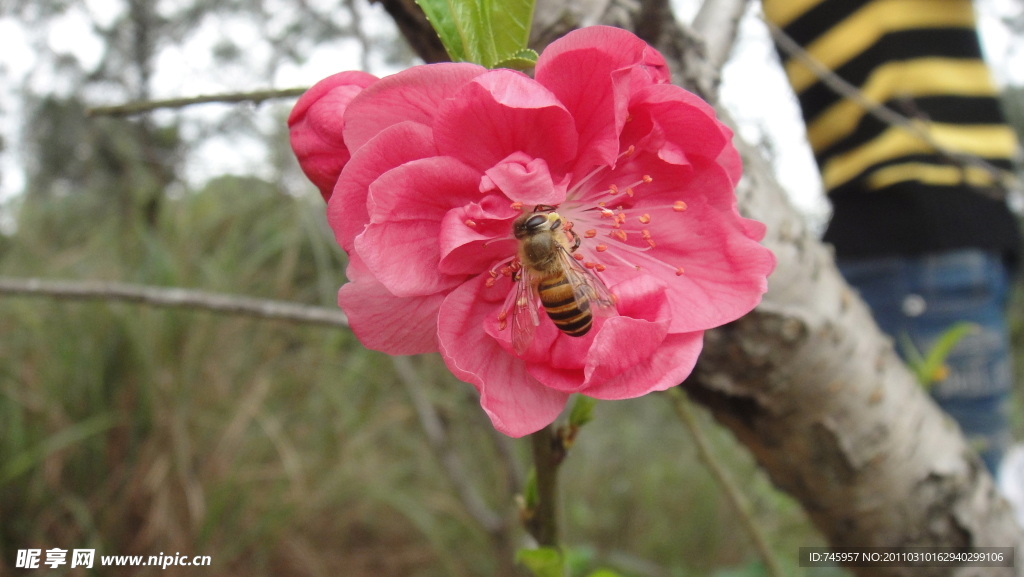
542	562
932	367
604	573
493	33
582	411
523	60
510	22
452	20
944	345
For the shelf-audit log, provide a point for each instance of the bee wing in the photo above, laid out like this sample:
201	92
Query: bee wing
524	312
587	286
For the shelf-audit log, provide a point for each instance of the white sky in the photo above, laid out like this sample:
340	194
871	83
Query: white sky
753	87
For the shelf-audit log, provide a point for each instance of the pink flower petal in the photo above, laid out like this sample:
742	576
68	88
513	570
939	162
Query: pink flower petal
423	189
476	236
680	119
316	124
406	206
668	367
724	267
384	322
516	403
592	72
503	112
404	255
619	343
524	179
414	94
394	146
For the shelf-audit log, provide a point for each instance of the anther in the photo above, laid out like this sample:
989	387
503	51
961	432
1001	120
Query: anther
679	271
517	206
620	234
679	206
601	248
600	267
647	179
589	264
577	256
506	271
502	314
605	213
489	283
590	233
629	192
629	118
470	223
638	268
630	150
601	204
613	189
646	218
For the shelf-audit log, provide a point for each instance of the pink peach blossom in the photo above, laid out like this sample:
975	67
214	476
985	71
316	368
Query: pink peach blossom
440	159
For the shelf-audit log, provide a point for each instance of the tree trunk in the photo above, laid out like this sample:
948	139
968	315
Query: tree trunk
807	381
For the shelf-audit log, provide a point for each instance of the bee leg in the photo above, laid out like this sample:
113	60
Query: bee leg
576	240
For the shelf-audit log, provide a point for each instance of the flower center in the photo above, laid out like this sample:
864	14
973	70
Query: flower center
612	224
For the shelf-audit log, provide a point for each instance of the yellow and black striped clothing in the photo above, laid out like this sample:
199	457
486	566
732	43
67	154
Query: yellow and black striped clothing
891	193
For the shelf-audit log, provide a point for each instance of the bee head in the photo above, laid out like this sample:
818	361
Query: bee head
535	223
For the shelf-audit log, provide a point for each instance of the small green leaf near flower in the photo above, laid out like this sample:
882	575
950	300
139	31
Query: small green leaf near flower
488	32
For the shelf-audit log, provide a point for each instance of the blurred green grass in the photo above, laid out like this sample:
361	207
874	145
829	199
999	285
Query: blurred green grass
287	450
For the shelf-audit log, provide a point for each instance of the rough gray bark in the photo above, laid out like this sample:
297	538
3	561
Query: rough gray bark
807	381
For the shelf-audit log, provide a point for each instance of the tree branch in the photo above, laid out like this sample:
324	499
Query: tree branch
450	461
707	456
418	32
547	457
175	298
143	106
719	23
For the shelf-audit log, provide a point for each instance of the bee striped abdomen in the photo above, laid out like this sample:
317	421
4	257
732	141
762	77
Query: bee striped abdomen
571	315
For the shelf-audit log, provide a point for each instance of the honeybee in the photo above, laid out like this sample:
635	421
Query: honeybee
570	294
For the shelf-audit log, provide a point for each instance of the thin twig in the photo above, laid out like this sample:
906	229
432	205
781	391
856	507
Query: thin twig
142	106
547	456
437	437
889	116
732	492
174	297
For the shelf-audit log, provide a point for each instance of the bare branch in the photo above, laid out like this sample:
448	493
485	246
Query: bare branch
733	493
439	443
917	127
717	23
142	106
175	298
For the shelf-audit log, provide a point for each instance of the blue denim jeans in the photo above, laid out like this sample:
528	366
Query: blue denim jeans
922	297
